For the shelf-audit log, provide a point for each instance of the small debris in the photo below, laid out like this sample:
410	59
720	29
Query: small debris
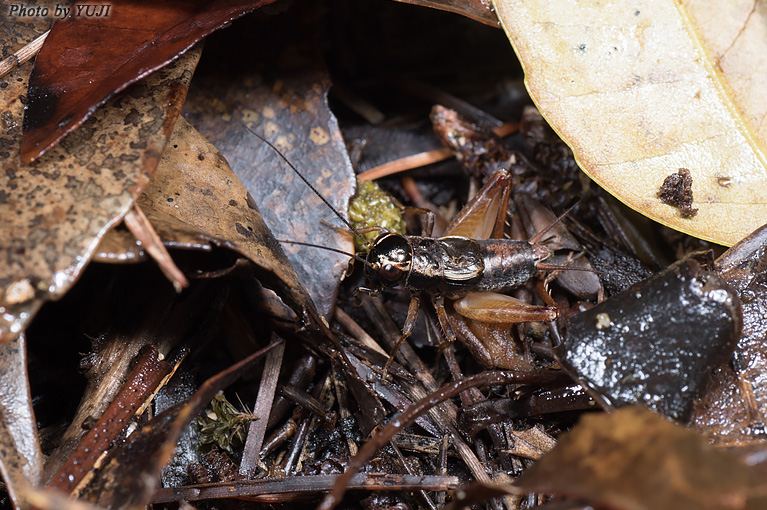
603	321
676	191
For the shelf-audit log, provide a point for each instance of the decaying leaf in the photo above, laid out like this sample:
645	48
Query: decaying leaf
100	49
55	210
21	461
640	90
733	410
633	459
657	342
194	185
282	96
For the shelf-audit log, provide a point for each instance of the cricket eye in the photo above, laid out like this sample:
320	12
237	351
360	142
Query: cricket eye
390	272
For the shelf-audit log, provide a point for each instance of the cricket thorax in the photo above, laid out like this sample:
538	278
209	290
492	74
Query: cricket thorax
448	265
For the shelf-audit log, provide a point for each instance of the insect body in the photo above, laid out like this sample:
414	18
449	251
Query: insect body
474	272
453	266
462	266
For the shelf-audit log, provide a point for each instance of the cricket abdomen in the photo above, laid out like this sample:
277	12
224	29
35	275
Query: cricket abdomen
508	263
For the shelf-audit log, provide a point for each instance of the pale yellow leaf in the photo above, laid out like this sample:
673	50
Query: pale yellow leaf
640	89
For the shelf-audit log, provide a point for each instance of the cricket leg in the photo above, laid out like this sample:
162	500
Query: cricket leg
444	323
407	330
502	309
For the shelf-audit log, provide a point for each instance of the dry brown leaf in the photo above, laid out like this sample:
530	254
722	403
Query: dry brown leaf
633	459
640	91
478	10
194	185
55	210
21	461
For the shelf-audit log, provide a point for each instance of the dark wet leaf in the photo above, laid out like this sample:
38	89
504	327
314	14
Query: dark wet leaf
20	457
282	96
731	411
633	459
195	187
101	49
55	210
657	342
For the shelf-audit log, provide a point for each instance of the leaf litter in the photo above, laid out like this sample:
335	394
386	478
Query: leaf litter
58	208
322	410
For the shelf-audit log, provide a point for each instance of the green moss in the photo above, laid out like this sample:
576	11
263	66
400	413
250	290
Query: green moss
373	207
223	425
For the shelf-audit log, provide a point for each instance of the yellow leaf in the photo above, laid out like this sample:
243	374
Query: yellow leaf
642	89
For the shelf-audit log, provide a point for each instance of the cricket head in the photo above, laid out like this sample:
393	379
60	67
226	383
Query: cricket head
389	260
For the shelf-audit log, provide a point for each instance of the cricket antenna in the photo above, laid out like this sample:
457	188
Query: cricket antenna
537	237
342	252
306	181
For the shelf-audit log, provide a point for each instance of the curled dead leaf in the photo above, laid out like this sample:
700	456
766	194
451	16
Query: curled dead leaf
56	210
195	187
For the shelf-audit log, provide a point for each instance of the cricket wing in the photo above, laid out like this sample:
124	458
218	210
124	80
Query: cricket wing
484	215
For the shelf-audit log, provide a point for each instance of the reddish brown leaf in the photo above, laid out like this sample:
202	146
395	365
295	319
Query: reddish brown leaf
634	459
89	56
55	210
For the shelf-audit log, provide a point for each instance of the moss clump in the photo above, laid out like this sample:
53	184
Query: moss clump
223	424
373	207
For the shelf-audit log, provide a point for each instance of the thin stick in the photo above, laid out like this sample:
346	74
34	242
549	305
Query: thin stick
425	158
380	439
282	488
358	331
257	429
11	62
406	163
140	227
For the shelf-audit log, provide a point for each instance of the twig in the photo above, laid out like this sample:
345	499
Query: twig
149	374
303	484
357	331
406	163
425	158
140	227
11	62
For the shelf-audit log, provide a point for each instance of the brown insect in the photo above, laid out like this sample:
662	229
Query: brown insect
464	265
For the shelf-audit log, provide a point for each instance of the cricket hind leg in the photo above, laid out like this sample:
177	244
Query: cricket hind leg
502	309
